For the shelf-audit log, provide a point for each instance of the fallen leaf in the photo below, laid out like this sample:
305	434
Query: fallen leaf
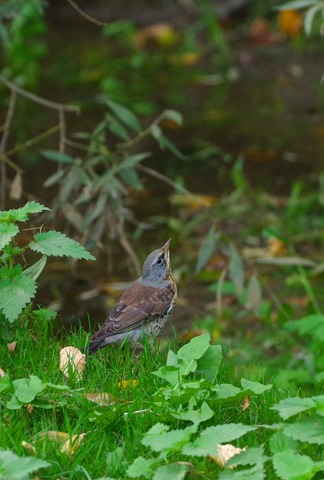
276	247
16	187
11	346
225	452
290	22
127	383
29	408
72	358
192	202
68	445
246	403
2	373
156	35
29	447
101	398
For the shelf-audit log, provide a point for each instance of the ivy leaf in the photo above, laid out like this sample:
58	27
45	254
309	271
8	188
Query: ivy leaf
7	232
195	416
16	291
308	429
171	471
57	244
291	406
13	467
208	441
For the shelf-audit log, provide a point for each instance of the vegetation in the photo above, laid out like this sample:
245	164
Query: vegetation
240	394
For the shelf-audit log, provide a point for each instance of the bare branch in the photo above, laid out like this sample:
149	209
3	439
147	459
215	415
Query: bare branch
3	144
85	15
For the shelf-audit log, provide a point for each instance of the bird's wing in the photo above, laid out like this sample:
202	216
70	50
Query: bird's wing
138	305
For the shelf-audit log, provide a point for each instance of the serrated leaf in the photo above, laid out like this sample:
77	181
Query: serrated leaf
291	406
208	441
161	440
251	456
125	115
254	473
171	471
292	466
308	429
141	467
7	232
36	269
16	291
279	442
57	244
13	467
22	214
174	116
207	249
236	269
58	157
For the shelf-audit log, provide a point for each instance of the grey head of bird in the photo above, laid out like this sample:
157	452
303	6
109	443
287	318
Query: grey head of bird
157	265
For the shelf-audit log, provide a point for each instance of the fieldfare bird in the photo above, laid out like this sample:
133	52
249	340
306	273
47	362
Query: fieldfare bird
144	307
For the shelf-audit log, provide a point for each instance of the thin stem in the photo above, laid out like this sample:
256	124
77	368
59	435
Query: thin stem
3	144
166	180
85	15
33	140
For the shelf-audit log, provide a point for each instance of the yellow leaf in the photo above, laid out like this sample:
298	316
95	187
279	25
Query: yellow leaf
68	445
127	383
71	359
290	22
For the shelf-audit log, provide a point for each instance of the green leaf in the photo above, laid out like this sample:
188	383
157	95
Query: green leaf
279	442
125	115
160	439
26	389
16	291
170	374
308	429
35	270
312	325
174	116
192	351
236	269
195	416
7	232
207	249
309	16
58	157
292	466
251	456
117	128
208	441
291	406
5	383
254	387
296	4
254	473
58	244
209	363
171	471
13	467
141	467
22	214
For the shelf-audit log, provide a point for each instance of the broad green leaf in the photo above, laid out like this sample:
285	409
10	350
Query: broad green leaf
35	270
141	467
170	374
296	4
312	325
160	440
125	115
227	390
319	402
279	442
292	466
58	157
254	387
251	456
16	291
172	359
254	473
209	363
174	116
58	244
22	214
171	471
291	406
26	389
195	416
7	232
236	269
207	249
308	429
13	467
208	441
5	383
192	351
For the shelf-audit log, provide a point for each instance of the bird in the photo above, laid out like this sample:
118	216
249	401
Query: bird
143	309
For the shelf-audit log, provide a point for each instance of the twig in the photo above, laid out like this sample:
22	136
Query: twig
6	130
85	15
36	98
166	180
33	140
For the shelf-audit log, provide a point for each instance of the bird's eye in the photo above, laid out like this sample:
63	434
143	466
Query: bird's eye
159	260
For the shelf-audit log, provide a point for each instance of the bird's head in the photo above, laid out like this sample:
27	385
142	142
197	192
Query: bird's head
157	265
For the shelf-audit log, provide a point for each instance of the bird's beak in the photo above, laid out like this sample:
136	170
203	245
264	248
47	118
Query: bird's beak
166	246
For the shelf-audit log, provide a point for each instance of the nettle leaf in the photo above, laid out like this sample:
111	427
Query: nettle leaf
22	214
7	232
141	467
57	244
254	473
292	466
35	270
291	406
208	441
207	249
191	352
16	291
13	467
251	456
308	429
160	439
125	115
171	471
279	442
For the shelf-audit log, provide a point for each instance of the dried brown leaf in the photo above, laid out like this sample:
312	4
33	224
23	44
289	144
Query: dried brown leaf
101	398
71	359
2	373
16	187
225	452
12	346
68	445
29	447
